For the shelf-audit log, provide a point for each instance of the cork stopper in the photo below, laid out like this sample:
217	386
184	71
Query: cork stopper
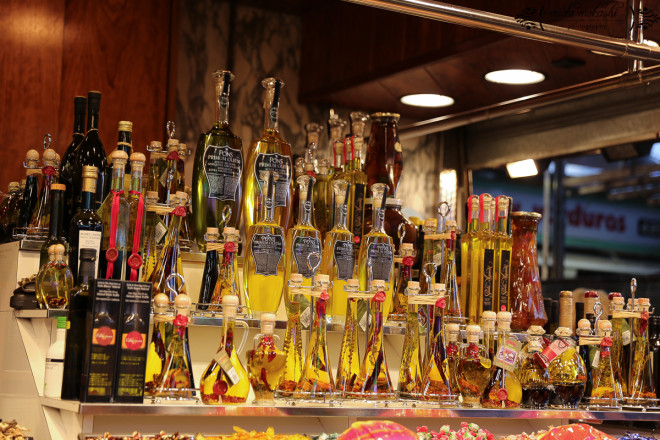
566	294
407	247
215	231
564	332
618	302
413	287
536	330
172	145
435	288
228	230
50	157
212	234
229	305
604	328
51	250
138	159
354	284
504	320
161	302
377	285
14	186
58	249
267	323
119	158
152	196
308	166
32	156
339	147
534	346
453	330
182	197
322	279
430	224
296	279
125	126
584	327
155	146
644	302
488	319
473	332
58	187
324	166
182	304
451	225
183	148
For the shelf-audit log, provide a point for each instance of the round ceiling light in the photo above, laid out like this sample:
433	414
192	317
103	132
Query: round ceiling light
427	100
514	76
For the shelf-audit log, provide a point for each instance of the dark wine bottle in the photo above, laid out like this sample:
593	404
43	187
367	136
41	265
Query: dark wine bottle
31	191
90	152
210	274
77	326
86	228
57	193
68	160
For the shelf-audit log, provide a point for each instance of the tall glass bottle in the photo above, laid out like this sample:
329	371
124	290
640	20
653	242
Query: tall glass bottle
384	161
640	382
218	167
210	273
86	228
436	384
266	260
533	376
154	234
504	389
453	312
503	244
68	160
621	338
468	288
348	367
359	181
337	260
225	380
161	335
292	341
605	390
400	308
136	218
473	368
567	372
270	152
169	259
486	260
55	235
490	335
90	152
41	215
156	168
265	362
228	280
169	178
9	211
410	371
31	192
430	228
585	350
376	260
115	216
124	143
55	280
323	196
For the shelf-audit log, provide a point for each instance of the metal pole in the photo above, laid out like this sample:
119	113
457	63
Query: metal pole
559	223
545	246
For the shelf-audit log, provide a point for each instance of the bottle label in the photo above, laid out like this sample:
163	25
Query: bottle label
487	292
556	348
507	354
596	361
505	266
222	358
381	258
358	209
344	259
159	231
302	248
266	252
625	337
103	336
279	164
223	167
306	317
90	240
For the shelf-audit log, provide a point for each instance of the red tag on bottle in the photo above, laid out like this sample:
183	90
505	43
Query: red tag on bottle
181	320
111	256
179	211
230	247
379	296
356	239
48	171
324	295
173	155
135	261
441	302
473	351
502	394
220	387
408	261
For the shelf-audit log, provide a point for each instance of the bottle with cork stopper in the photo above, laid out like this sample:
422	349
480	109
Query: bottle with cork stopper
210	272
228	280
532	375
31	192
567	371
157	355
186	235
567	310
504	389
474	368
137	216
410	371
435	383
55	280
349	353
266	362
41	216
56	218
605	391
124	143
170	177
640	382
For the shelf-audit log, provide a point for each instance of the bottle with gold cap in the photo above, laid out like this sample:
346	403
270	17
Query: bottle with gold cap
270	152
228	280
566	371
410	371
157	354
400	308
218	167
31	192
156	167
533	377
293	342
467	253
348	367
225	381
605	390
124	143
504	389
86	228
136	218
41	214
640	382
55	280
210	273
265	362
55	235
503	244
66	167
154	233
169	258
9	212
473	368
115	216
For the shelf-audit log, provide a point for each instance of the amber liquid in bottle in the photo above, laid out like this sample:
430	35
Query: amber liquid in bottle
384	161
467	253
640	382
503	245
410	371
504	389
436	384
533	377
292	342
473	368
349	355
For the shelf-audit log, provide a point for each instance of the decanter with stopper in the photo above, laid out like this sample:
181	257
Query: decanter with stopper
266	362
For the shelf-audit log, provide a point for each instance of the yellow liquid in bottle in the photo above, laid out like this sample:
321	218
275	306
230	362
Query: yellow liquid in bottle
349	356
334	263
410	372
376	244
300	242
215	387
265	273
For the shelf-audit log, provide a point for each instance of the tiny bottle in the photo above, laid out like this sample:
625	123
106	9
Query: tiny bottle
566	370
186	234
293	341
454	312
31	193
55	227
504	389
157	353
533	376
348	367
169	179
55	361
210	273
358	179
605	390
55	281
265	362
453	352
430	229
473	368
41	215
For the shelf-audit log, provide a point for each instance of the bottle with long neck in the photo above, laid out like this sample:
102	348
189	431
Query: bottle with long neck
400	307
228	280
225	380
292	341
56	281
115	216
210	273
473	368
468	286
348	367
154	233
376	260
137	217
169	178
218	167
358	179
177	378
430	228
621	338
313	133
181	166
503	245
340	172
266	259
410	371
270	152
156	168
86	228
490	335
266	362
335	133
124	143
169	259
55	235
31	192
640	382
605	390
91	152
585	350
453	312
504	389
41	215
323	196
187	235
157	353
436	384
486	259
68	159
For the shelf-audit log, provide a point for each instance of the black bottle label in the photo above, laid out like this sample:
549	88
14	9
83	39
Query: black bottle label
266	252
381	258
505	266
358	210
487	291
223	167
279	164
302	248
343	253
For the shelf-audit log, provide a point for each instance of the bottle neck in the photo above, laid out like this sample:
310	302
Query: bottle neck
357	163
222	110
502	225
92	118
88	199
305	213
339	160
136	178
378	220
118	177
85	272
79	120
124	141
56	213
267	206
504	334
228	332
341	211
271	118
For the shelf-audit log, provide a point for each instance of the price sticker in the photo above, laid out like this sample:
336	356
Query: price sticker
507	354
556	348
222	358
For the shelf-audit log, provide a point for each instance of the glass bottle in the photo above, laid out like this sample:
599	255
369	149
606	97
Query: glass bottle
335	133
605	390
31	193
10	211
181	167
358	125
124	143
338	260
503	243
265	362
655	351
400	309
453	311
313	133
348	367
340	172
54	370
358	179
42	271
384	161
490	338
156	168
376	260
136	218
566	310
621	338
468	288
54	284
68	159
533	377
585	351
566	372
225	381
430	228
186	235
169	259
91	152
86	228
292	341
410	371
526	297
270	152
169	179
154	233
452	358
317	378
473	368
266	260
640	382
161	336
374	382
210	273
485	247
504	389
228	280
76	334
115	216
40	220
436	384
55	235
218	167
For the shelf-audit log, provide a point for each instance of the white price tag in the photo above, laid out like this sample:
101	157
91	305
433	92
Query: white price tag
306	317
160	231
625	337
222	359
596	360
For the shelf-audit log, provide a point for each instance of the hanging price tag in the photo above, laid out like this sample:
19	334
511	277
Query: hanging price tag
596	360
553	350
160	231
306	317
222	359
163	178
625	337
507	354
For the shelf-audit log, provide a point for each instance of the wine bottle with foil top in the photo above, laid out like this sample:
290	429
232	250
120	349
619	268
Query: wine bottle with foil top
55	227
266	362
292	341
228	280
410	371
136	218
474	368
503	245
265	254
40	221
68	159
323	197
348	367
169	259
384	160
400	307
338	260
218	167
55	280
86	227
468	287
124	143
605	390
31	192
269	153
640	382
532	375
115	214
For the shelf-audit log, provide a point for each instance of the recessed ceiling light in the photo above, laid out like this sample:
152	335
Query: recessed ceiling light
515	76
522	168
427	100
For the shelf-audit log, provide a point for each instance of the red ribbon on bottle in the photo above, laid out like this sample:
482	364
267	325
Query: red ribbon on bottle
173	155
135	260
112	254
379	297
408	261
441	303
48	171
180	211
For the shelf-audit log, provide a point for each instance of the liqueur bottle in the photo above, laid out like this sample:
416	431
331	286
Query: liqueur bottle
473	368
436	384
186	234
31	192
323	196
566	371
292	340
136	218
605	390
468	288
374	382
566	310
585	350
161	335
640	382
54	284
182	149
621	338
157	165
335	133
339	173
400	309
115	216
210	273
358	126
68	160
42	271
410	371
225	380
337	260
590	299
453	311
265	362
376	260
490	338
266	261
86	227
77	324
90	152
169	259
9	212
55	235
154	233
453	352
359	180
317	378
228	279
124	143
313	133
503	244
384	161
169	178
533	377
486	259
504	389
218	167
40	220
270	152
348	367
428	256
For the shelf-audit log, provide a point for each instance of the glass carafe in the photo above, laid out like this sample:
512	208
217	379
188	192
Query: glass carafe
265	362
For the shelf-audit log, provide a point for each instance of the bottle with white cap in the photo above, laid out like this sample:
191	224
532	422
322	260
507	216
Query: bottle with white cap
349	353
410	371
504	389
473	368
266	362
293	342
605	389
640	383
533	377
